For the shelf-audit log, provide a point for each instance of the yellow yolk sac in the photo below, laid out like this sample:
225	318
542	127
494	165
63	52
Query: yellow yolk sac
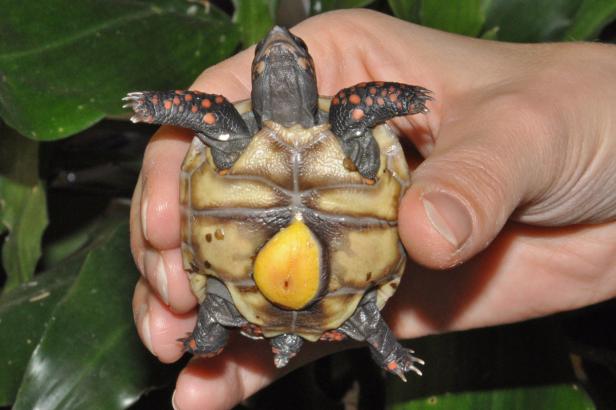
287	268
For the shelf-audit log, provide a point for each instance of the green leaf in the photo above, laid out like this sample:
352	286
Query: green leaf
254	19
23	207
590	19
465	18
555	397
23	315
62	72
90	356
533	353
320	6
33	302
531	20
84	239
406	9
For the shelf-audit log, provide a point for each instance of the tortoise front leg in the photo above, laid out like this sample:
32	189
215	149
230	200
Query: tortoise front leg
211	334
366	324
356	109
217	122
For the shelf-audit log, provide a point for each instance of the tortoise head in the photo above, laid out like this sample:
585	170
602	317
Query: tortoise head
284	84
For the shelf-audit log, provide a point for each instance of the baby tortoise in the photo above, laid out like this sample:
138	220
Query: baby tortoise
289	206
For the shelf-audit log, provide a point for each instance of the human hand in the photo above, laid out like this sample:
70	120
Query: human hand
520	133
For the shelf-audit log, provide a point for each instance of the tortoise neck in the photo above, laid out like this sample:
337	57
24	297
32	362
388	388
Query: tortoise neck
284	85
286	97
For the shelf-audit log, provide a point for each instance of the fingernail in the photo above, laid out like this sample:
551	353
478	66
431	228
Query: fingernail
144	323
161	280
175	406
155	266
140	260
144	216
449	217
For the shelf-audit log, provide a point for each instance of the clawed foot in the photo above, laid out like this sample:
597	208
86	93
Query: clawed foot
285	347
190	345
401	361
137	102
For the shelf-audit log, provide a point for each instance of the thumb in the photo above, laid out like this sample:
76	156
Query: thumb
464	192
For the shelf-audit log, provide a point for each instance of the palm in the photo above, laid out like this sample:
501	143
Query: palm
526	272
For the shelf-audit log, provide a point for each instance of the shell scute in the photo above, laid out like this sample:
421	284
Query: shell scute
283	172
356	253
230	259
379	200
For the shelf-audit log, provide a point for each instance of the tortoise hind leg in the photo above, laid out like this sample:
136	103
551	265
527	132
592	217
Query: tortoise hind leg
211	334
285	347
366	324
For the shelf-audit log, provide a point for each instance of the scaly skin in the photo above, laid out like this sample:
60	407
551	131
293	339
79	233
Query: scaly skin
354	110
213	117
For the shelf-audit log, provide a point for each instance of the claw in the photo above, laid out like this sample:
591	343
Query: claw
403	361
185	341
400	374
416	370
281	361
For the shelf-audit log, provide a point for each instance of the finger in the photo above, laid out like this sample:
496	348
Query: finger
166	275
524	274
163	269
243	368
157	326
160	200
137	241
141	313
223	381
479	172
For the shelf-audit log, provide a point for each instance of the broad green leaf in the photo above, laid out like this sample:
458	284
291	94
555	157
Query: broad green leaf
23	207
555	397
319	6
592	16
254	19
83	240
406	9
531	20
90	356
465	17
23	315
533	353
60	72
33	302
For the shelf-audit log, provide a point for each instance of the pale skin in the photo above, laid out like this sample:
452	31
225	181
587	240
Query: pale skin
519	175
